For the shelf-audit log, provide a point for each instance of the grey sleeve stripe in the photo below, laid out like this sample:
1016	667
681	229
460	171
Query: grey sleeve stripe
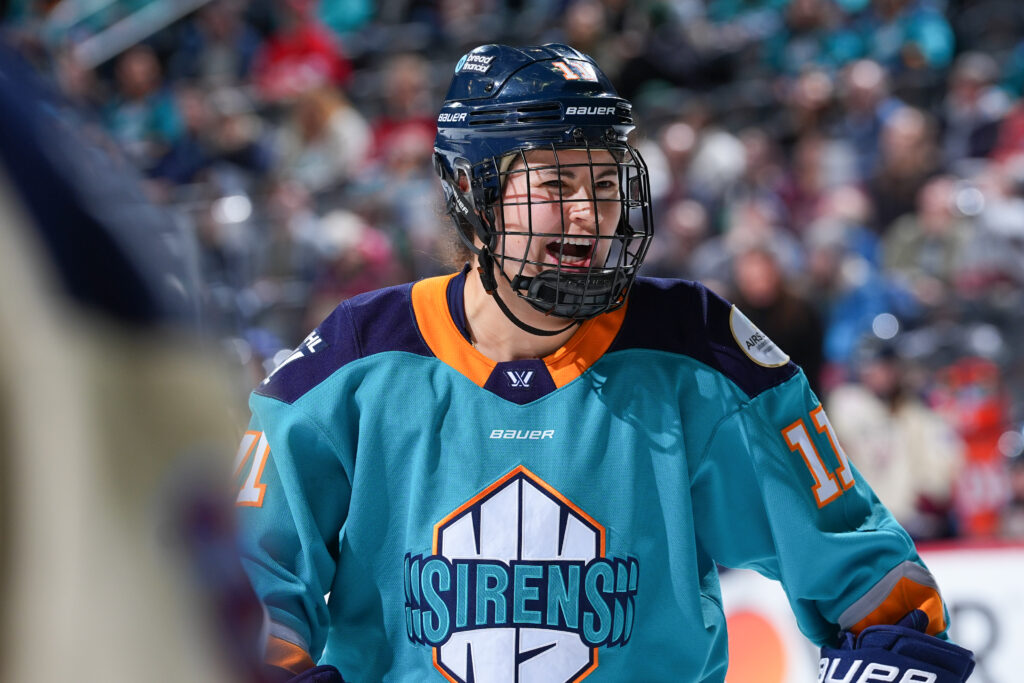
286	634
881	590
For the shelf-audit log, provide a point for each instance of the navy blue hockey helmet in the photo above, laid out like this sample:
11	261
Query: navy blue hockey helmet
504	105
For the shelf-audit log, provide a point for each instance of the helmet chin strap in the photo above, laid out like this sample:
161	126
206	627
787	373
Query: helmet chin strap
490	285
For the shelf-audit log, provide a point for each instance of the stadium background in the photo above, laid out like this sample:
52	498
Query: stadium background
851	172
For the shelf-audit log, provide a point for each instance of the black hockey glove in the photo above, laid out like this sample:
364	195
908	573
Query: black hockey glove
902	653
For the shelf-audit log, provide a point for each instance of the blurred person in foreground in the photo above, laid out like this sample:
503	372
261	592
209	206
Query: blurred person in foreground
909	452
113	531
528	469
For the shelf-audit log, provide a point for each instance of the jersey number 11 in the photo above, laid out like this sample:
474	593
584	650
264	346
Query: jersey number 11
827	486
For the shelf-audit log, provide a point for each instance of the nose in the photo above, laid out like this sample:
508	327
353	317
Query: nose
580	209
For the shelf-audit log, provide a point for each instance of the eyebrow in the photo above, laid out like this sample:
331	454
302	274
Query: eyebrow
571	170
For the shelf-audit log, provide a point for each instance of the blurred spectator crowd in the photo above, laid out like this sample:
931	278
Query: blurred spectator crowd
849	172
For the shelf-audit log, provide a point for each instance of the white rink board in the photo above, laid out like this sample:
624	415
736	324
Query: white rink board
983	587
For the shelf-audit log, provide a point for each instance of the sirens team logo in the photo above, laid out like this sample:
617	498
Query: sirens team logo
518	588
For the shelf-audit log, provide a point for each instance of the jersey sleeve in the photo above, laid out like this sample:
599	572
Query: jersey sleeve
293	497
774	492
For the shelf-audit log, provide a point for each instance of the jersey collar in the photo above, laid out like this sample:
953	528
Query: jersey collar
433	301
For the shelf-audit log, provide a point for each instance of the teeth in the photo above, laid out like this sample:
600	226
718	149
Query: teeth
555	248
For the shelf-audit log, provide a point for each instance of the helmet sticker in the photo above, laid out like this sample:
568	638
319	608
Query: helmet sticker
576	69
478	63
755	343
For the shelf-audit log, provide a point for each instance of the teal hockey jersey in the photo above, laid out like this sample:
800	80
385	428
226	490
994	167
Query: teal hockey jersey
411	510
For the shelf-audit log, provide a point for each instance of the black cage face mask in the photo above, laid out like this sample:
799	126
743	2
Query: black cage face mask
567	226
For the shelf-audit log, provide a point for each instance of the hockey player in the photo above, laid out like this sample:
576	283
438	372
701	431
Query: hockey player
529	470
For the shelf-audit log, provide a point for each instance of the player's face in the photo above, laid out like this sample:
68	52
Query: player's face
553	215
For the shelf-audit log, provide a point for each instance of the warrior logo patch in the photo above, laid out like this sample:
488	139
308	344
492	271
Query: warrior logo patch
755	343
518	588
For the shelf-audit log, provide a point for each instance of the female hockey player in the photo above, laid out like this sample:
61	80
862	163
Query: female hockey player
530	469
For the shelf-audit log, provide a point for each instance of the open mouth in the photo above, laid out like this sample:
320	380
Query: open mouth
574	252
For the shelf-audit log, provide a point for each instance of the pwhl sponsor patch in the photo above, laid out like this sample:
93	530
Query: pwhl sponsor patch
755	343
518	587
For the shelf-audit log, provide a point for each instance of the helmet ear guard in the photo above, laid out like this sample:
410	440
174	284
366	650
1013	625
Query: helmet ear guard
462	206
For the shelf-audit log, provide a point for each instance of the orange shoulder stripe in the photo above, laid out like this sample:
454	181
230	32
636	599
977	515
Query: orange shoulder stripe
430	305
287	656
585	347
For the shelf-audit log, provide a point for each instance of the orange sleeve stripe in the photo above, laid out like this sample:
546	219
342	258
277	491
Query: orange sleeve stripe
288	656
906	596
